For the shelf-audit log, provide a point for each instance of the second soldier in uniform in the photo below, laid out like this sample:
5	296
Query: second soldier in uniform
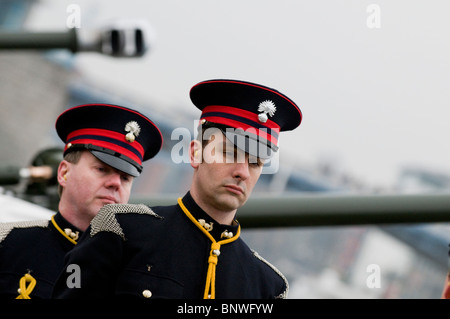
193	249
105	146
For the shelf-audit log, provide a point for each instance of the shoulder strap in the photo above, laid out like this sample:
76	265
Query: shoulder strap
5	228
284	294
106	219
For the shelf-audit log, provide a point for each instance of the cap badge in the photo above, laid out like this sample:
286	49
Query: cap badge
266	107
133	130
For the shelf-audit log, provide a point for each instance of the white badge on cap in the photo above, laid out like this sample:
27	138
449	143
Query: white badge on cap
266	107
133	130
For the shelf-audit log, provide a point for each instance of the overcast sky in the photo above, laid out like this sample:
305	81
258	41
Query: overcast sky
372	81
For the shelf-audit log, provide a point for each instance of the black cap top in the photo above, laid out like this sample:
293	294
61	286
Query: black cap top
255	111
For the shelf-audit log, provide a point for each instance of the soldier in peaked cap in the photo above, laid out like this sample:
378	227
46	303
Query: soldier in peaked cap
105	146
192	249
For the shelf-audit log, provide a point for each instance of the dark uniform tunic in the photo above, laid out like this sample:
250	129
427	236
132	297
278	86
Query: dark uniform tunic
133	251
34	247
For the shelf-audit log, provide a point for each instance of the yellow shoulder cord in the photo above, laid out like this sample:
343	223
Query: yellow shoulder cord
210	287
62	232
25	291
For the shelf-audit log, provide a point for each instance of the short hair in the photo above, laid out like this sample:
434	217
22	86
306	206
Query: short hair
205	133
72	157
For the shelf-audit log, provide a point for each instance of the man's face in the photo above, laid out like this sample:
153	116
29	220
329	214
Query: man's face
226	175
90	184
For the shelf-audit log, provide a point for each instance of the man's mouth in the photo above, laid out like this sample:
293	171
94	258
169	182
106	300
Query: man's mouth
235	189
108	200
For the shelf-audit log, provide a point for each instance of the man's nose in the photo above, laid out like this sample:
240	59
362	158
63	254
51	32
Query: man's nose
241	170
114	180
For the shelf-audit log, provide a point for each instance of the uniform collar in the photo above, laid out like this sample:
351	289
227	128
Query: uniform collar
218	231
66	229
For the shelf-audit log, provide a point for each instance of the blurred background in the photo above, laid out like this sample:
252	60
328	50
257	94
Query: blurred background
371	78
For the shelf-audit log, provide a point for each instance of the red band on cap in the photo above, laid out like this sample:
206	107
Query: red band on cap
241	113
239	118
108	139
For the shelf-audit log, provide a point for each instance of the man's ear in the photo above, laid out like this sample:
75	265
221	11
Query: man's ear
63	171
195	153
